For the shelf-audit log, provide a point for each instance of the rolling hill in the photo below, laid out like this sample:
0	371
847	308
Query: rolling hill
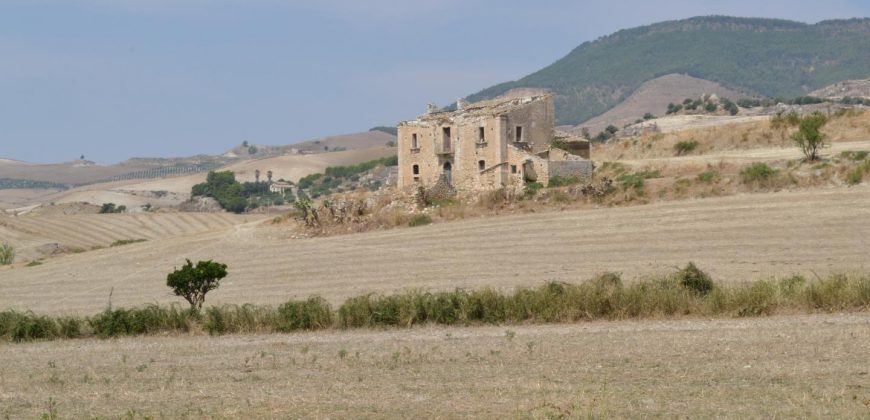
774	58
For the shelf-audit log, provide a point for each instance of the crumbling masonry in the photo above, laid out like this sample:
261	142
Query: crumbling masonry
500	143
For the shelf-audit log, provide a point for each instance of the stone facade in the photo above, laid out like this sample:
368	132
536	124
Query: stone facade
480	146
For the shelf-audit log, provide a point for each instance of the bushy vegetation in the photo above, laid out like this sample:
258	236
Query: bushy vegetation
561	181
193	282
685	146
757	173
394	131
112	208
320	184
604	297
856	175
775	58
635	181
7	254
708	176
420	220
235	196
808	137
688	291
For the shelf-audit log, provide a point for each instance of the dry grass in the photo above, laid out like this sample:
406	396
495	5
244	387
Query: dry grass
738	238
851	126
784	367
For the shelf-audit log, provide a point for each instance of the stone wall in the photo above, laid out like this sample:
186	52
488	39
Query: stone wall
580	169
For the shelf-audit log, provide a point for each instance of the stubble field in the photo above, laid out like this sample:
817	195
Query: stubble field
737	238
812	366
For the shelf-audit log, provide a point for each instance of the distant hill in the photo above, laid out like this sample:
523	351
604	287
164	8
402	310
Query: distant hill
846	88
654	96
774	58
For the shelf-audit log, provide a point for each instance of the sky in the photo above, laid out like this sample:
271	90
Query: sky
114	79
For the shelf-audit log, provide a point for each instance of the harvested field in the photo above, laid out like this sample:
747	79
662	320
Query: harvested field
735	238
86	231
811	366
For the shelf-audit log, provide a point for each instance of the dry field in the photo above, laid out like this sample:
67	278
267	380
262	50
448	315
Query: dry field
33	236
735	238
813	366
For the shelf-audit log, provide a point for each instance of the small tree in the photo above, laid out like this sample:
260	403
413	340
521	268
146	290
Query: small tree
269	176
193	282
257	176
808	137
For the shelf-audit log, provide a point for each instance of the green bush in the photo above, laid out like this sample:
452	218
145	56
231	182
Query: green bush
854	156
17	326
708	177
312	314
420	220
636	180
532	188
692	278
7	254
685	146
193	282
758	173
148	319
561	181
808	137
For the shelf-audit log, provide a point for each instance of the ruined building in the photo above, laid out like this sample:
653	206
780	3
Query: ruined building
488	145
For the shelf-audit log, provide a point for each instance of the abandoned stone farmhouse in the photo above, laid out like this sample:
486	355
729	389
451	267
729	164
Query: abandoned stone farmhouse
499	143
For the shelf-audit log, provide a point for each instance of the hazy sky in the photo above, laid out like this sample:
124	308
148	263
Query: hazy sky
113	79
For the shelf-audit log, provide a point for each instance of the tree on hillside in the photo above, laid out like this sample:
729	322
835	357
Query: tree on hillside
269	176
193	282
808	137
257	176
223	187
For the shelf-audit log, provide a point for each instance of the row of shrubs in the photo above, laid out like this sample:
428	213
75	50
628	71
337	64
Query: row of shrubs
689	291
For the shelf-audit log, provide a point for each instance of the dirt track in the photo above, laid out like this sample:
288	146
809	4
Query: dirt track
735	238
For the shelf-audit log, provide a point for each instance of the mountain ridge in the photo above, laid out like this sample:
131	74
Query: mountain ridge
765	57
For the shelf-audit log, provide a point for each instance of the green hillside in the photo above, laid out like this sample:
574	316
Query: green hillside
774	58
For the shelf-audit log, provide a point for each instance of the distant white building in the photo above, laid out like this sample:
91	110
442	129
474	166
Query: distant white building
280	187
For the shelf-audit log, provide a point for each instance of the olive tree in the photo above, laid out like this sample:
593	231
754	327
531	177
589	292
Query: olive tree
193	282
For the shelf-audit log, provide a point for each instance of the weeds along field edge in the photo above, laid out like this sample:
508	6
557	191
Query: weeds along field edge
686	292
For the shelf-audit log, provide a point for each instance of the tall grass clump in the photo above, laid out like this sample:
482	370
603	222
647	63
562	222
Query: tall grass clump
237	319
7	254
147	319
312	314
26	326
